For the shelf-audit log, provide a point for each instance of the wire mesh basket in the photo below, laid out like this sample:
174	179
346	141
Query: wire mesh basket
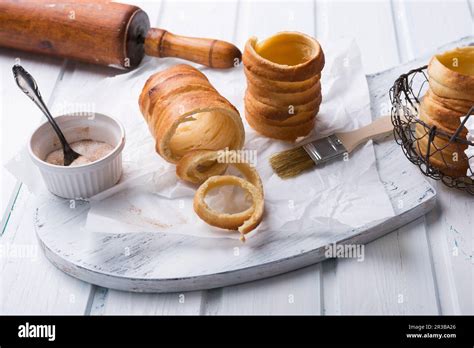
437	152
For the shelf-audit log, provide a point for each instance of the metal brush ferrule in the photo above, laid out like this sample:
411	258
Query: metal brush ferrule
325	149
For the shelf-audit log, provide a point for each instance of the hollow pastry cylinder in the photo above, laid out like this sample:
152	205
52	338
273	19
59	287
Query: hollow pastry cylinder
194	126
283	84
449	97
184	113
447	156
451	74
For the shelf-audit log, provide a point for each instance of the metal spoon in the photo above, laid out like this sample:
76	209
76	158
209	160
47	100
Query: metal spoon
28	85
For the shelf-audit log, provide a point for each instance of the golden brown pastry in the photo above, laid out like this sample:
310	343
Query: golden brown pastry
199	165
191	123
441	114
184	113
446	156
280	112
459	105
285	99
299	117
244	221
280	86
289	133
450	96
285	56
451	74
283	84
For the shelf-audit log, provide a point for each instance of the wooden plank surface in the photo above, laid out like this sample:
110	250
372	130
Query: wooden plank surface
29	284
449	227
21	116
184	18
389	285
450	234
32	285
296	292
401	263
375	36
443	22
127	303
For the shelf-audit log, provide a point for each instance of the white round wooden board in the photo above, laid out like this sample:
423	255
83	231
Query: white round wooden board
156	262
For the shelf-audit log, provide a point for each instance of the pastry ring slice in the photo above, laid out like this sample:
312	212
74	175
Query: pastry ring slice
189	169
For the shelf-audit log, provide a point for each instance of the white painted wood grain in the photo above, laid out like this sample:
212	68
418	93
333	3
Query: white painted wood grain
14	220
386	282
452	221
390	273
265	18
433	23
438	232
127	303
420	295
369	22
33	285
442	266
183	18
297	292
19	115
329	288
206	18
451	235
77	82
30	284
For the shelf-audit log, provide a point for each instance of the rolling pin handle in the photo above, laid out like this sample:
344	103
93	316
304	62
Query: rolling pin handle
212	53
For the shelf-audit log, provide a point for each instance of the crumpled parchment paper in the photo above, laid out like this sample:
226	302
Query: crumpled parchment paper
150	198
470	149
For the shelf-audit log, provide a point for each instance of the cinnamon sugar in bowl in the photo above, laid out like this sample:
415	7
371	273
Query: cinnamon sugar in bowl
100	140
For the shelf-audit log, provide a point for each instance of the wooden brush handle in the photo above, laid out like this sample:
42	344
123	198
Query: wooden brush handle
209	52
381	127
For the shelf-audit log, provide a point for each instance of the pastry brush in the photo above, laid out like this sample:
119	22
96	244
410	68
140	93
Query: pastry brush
291	163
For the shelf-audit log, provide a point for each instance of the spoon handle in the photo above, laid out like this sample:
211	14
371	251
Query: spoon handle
28	85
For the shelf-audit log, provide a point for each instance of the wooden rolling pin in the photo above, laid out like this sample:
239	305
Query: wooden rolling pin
101	32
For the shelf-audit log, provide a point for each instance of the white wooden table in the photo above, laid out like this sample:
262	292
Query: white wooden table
425	267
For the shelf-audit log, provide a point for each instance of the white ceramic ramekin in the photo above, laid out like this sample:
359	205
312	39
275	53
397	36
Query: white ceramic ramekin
85	180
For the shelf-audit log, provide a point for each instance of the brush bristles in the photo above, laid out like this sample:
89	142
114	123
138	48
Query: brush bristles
290	163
